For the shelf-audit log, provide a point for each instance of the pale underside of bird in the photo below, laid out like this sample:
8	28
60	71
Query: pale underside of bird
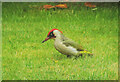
65	45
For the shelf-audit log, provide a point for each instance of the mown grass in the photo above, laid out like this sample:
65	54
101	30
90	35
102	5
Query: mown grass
25	57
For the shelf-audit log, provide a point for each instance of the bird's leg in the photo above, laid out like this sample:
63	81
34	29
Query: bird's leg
72	57
68	56
80	55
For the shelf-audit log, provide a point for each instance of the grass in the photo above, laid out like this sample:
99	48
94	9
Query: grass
25	57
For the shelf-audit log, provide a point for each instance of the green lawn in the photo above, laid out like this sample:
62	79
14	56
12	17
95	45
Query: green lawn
25	57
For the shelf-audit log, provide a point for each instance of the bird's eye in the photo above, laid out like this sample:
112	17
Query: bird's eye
51	34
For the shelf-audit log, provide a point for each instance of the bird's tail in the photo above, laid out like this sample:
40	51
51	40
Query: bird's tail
86	52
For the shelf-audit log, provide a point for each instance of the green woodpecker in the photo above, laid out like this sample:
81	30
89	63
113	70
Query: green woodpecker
65	45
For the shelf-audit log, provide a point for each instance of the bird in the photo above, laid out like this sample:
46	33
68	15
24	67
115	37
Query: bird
65	45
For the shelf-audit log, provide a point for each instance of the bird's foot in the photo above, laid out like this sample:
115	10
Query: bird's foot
68	56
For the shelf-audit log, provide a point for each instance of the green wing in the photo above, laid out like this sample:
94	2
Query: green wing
69	42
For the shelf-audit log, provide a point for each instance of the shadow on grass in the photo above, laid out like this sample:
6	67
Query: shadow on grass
58	56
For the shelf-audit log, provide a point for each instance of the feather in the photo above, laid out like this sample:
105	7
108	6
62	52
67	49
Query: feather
69	42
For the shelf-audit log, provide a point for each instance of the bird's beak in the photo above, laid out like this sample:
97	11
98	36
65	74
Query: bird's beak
45	39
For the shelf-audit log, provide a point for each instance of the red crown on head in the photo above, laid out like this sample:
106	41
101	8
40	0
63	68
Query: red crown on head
53	30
